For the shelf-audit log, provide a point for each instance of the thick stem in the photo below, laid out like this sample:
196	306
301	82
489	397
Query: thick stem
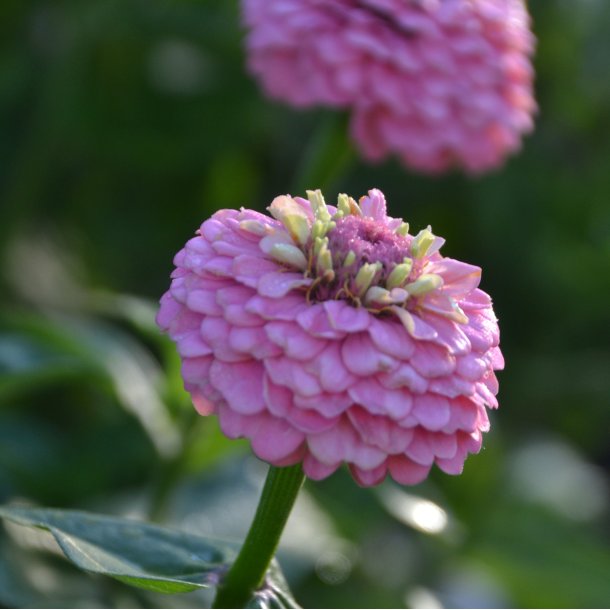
247	574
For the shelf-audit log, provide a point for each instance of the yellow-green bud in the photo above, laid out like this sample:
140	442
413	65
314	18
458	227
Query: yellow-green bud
376	295
403	229
343	205
290	255
292	216
423	284
318	205
319	244
254	227
365	276
325	262
399	274
350	259
422	242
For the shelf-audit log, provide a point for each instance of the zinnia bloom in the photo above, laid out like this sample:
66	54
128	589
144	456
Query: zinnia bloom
330	334
440	83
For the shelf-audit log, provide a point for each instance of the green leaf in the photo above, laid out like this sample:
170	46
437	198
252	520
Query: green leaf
147	556
123	364
547	561
24	365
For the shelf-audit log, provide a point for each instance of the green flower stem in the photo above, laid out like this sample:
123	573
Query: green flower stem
327	156
247	574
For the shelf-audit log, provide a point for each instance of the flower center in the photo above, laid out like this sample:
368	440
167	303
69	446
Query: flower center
370	241
358	254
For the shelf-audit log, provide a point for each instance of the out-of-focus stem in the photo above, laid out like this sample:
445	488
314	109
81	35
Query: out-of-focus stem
326	157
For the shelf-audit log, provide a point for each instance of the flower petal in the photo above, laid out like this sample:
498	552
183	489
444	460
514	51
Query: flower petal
314	320
275	440
295	342
291	374
330	370
341	443
379	400
361	357
433	412
241	385
391	338
369	478
345	317
405	471
278	284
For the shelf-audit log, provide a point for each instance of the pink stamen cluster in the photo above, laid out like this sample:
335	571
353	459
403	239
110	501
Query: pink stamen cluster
440	83
330	335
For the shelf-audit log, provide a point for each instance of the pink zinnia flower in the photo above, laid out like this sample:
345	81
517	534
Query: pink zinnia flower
440	83
330	334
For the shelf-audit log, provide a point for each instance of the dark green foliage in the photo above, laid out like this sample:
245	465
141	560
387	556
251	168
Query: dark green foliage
123	125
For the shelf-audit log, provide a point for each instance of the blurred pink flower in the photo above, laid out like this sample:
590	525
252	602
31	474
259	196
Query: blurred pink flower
330	334
440	83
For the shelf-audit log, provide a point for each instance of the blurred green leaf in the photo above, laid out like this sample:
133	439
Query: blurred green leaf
15	590
116	357
24	365
146	556
139	554
547	561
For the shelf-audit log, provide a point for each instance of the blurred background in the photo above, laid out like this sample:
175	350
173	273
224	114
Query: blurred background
124	124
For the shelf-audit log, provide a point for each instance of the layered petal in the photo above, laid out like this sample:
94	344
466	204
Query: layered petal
379	353
438	84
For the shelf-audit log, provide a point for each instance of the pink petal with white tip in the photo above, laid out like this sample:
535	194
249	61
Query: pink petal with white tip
314	320
278	284
193	346
405	471
330	405
291	374
252	340
285	309
342	316
216	333
219	266
433	412
203	301
275	440
368	478
374	205
391	338
459	279
249	269
316	470
232	302
328	367
452	386
294	341
379	400
310	421
420	450
405	376
241	385
380	431
341	443
449	335
361	357
430	360
471	366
